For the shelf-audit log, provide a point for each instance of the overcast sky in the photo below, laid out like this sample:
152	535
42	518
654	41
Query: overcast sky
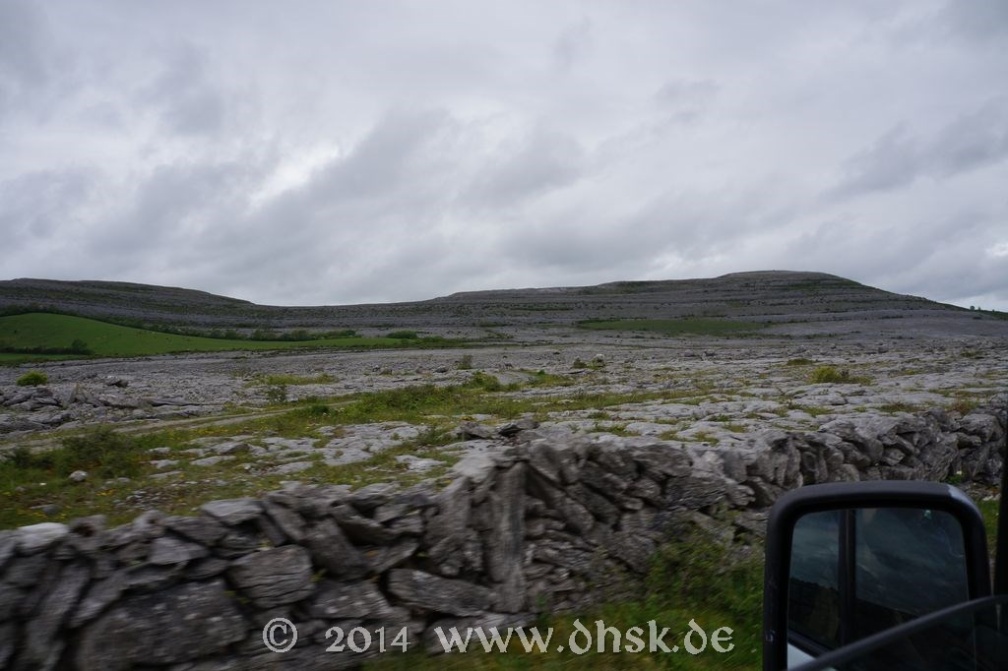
336	151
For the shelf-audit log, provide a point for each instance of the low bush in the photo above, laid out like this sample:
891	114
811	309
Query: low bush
32	379
102	452
829	374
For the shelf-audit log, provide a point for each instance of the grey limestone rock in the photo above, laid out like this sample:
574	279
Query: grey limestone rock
348	600
205	529
167	550
43	643
38	537
233	511
180	624
333	551
273	577
430	592
361	529
98	598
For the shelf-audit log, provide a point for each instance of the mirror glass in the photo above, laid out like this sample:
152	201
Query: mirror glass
856	572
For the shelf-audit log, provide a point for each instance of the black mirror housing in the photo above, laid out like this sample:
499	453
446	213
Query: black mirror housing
850	496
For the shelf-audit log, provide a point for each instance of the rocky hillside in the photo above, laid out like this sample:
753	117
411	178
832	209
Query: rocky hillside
790	302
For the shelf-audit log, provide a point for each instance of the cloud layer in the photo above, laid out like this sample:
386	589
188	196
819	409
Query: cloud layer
337	152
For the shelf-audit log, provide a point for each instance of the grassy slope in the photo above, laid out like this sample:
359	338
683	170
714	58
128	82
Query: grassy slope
59	331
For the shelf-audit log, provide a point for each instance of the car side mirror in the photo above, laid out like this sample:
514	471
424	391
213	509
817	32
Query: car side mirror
845	561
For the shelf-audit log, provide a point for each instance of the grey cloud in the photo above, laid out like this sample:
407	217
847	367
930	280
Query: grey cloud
573	44
24	40
35	206
380	162
972	140
190	103
976	19
587	239
27	55
685	100
176	213
894	160
531	166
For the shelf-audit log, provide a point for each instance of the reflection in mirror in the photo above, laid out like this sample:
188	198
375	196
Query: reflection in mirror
856	572
908	562
813	598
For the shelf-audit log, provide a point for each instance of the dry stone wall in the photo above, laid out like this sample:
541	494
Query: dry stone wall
531	526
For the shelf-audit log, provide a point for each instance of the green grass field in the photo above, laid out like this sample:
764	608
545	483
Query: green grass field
693	326
19	334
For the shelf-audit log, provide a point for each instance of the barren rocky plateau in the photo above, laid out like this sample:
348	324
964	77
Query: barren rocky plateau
898	353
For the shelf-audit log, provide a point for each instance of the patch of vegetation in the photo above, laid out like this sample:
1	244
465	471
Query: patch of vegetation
45	335
831	375
800	361
34	486
465	362
276	394
814	410
673	327
617	429
543	379
594	364
964	404
899	406
32	378
703	436
403	335
486	382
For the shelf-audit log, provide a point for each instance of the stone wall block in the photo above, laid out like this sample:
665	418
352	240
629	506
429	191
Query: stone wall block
182	623
612	458
100	595
573	513
233	512
660	462
43	643
36	538
360	529
384	558
168	550
596	477
429	592
504	544
273	577
348	600
205	530
332	550
602	508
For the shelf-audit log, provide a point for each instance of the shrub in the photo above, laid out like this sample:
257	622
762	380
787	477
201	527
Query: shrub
32	379
825	374
79	346
800	361
101	451
484	381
